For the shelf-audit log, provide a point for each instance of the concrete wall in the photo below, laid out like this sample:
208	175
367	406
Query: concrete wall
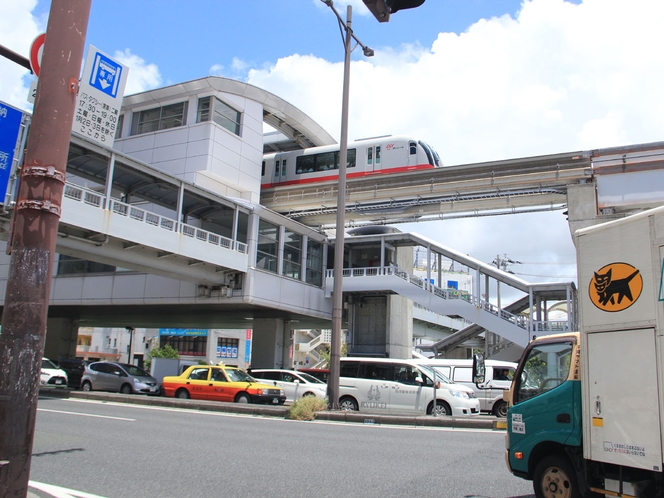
204	154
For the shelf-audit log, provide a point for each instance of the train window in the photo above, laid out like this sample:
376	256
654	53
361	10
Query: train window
370	155
413	148
263	169
305	164
276	168
283	167
377	154
350	159
325	161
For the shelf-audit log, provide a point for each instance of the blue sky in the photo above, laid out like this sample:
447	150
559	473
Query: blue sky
479	80
186	38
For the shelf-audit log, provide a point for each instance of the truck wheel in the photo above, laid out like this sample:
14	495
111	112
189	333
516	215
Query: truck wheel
500	409
555	478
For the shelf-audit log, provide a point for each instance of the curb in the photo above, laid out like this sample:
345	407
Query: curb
278	411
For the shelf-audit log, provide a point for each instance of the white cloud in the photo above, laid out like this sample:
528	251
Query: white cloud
18	28
142	76
558	77
504	88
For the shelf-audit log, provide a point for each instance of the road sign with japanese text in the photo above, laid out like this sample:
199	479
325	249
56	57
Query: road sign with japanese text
10	126
100	98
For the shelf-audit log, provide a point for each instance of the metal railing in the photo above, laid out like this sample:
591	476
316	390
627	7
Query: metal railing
90	197
448	294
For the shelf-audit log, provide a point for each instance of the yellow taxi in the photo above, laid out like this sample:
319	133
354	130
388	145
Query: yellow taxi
221	383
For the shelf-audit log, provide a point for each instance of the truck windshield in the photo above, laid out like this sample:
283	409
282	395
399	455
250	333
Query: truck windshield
546	367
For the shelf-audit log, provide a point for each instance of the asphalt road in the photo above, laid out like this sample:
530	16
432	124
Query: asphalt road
114	449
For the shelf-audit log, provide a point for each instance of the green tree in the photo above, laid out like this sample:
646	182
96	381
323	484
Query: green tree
325	354
166	351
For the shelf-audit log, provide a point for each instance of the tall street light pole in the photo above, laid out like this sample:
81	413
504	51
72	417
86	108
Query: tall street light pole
337	292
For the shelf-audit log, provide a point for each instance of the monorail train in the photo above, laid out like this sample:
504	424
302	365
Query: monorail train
373	156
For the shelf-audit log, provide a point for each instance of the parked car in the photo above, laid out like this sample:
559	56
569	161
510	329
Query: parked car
385	385
319	373
119	377
498	377
221	383
74	368
295	384
51	375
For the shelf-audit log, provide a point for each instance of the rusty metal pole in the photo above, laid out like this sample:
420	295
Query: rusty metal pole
34	237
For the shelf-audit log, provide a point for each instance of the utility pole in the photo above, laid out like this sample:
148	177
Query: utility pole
33	239
337	293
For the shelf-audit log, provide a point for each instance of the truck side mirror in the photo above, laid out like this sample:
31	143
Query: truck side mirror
479	369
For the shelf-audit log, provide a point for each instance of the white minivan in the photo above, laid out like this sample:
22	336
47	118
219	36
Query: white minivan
498	377
402	387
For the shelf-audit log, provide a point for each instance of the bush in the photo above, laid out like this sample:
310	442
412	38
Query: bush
306	407
163	352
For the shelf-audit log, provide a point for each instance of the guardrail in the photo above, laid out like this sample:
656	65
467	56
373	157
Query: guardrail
422	283
92	198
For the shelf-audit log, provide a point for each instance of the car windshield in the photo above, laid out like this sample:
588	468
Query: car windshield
239	376
46	363
310	378
443	377
434	371
135	371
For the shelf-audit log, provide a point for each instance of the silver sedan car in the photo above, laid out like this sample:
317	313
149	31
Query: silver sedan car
119	377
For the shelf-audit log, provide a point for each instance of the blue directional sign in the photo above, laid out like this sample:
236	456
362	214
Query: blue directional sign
106	75
10	125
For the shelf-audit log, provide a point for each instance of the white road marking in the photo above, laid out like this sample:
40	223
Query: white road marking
59	492
86	414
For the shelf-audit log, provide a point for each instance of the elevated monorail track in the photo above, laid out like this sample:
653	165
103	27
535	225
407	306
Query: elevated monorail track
481	189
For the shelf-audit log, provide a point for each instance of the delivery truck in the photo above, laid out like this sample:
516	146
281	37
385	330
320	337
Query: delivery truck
586	409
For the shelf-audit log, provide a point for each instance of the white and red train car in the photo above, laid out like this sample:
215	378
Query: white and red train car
372	156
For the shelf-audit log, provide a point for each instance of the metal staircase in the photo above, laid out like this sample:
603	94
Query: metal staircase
484	315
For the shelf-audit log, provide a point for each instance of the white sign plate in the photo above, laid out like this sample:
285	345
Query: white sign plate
100	98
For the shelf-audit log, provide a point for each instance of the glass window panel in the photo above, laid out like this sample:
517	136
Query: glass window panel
350	158
226	116
172	116
305	164
325	161
203	113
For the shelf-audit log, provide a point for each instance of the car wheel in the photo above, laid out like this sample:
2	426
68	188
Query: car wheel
86	386
306	395
348	404
126	389
442	408
500	409
242	398
182	394
554	477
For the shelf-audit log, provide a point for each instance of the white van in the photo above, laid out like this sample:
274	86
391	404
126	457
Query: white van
499	376
389	386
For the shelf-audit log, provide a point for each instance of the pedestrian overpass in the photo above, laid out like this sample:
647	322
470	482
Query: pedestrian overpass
178	215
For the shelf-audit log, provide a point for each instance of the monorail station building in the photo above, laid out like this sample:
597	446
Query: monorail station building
165	230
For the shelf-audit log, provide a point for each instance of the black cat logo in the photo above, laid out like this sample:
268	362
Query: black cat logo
615	287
